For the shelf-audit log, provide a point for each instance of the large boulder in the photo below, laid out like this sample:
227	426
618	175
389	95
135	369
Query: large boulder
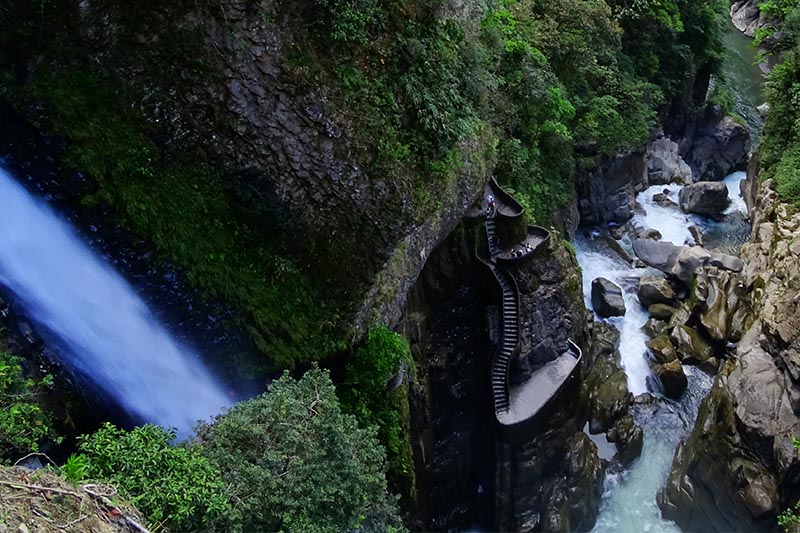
705	198
662	349
682	261
629	439
607	298
746	16
672	378
692	348
606	385
653	290
665	165
608	191
661	311
717	295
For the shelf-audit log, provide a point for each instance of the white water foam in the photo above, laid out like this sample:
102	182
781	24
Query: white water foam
671	222
108	332
596	261
734	182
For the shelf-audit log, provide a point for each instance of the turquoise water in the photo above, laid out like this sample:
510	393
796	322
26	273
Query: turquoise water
743	79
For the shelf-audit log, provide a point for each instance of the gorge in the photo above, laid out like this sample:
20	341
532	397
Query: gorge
436	203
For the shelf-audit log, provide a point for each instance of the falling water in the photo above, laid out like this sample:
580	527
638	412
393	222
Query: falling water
104	331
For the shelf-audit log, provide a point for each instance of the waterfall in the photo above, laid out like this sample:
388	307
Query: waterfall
100	327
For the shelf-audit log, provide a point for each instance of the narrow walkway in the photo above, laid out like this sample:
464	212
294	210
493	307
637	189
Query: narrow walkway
520	403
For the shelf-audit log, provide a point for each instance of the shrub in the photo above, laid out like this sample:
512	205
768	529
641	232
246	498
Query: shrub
295	462
23	423
172	486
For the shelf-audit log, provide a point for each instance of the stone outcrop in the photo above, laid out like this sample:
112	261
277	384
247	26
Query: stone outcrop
672	378
607	193
717	296
628	438
738	468
665	164
746	16
715	145
691	346
653	290
606	384
607	298
704	198
682	261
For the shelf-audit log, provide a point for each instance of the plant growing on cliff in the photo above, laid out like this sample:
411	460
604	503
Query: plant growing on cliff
295	462
789	520
172	486
23	423
365	394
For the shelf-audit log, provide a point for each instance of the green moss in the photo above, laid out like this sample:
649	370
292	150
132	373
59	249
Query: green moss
365	394
182	207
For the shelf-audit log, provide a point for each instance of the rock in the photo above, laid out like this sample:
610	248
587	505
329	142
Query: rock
654	327
715	145
663	200
763	109
654	290
629	439
618	249
649	233
608	191
747	17
661	311
725	476
673	379
705	198
606	383
717	294
23	528
692	349
664	163
682	261
607	298
662	349
697	235
584	483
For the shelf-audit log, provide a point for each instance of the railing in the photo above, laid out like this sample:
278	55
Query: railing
509	340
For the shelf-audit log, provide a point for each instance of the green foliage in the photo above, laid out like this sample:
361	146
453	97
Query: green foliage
23	423
779	9
295	462
173	486
349	21
789	520
76	469
365	395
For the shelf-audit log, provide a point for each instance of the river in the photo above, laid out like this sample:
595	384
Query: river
94	320
629	501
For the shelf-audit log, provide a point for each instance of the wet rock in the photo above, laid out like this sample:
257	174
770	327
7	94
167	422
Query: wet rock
662	349
654	327
672	377
618	249
704	198
661	311
664	200
606	383
653	290
692	349
629	439
607	298
682	261
697	235
649	233
664	163
584	486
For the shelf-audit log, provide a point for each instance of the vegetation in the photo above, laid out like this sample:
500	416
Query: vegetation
294	461
365	394
23	422
789	520
780	148
173	486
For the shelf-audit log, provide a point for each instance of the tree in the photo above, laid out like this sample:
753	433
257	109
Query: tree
295	462
172	486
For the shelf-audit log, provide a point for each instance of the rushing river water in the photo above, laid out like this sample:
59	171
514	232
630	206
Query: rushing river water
94	319
743	79
629	501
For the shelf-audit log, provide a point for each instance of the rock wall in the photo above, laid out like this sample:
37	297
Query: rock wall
738	469
547	479
607	192
746	16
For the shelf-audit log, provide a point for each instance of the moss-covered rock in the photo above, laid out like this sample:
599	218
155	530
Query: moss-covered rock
691	346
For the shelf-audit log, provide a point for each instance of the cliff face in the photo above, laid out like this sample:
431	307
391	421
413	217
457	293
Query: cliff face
738	469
